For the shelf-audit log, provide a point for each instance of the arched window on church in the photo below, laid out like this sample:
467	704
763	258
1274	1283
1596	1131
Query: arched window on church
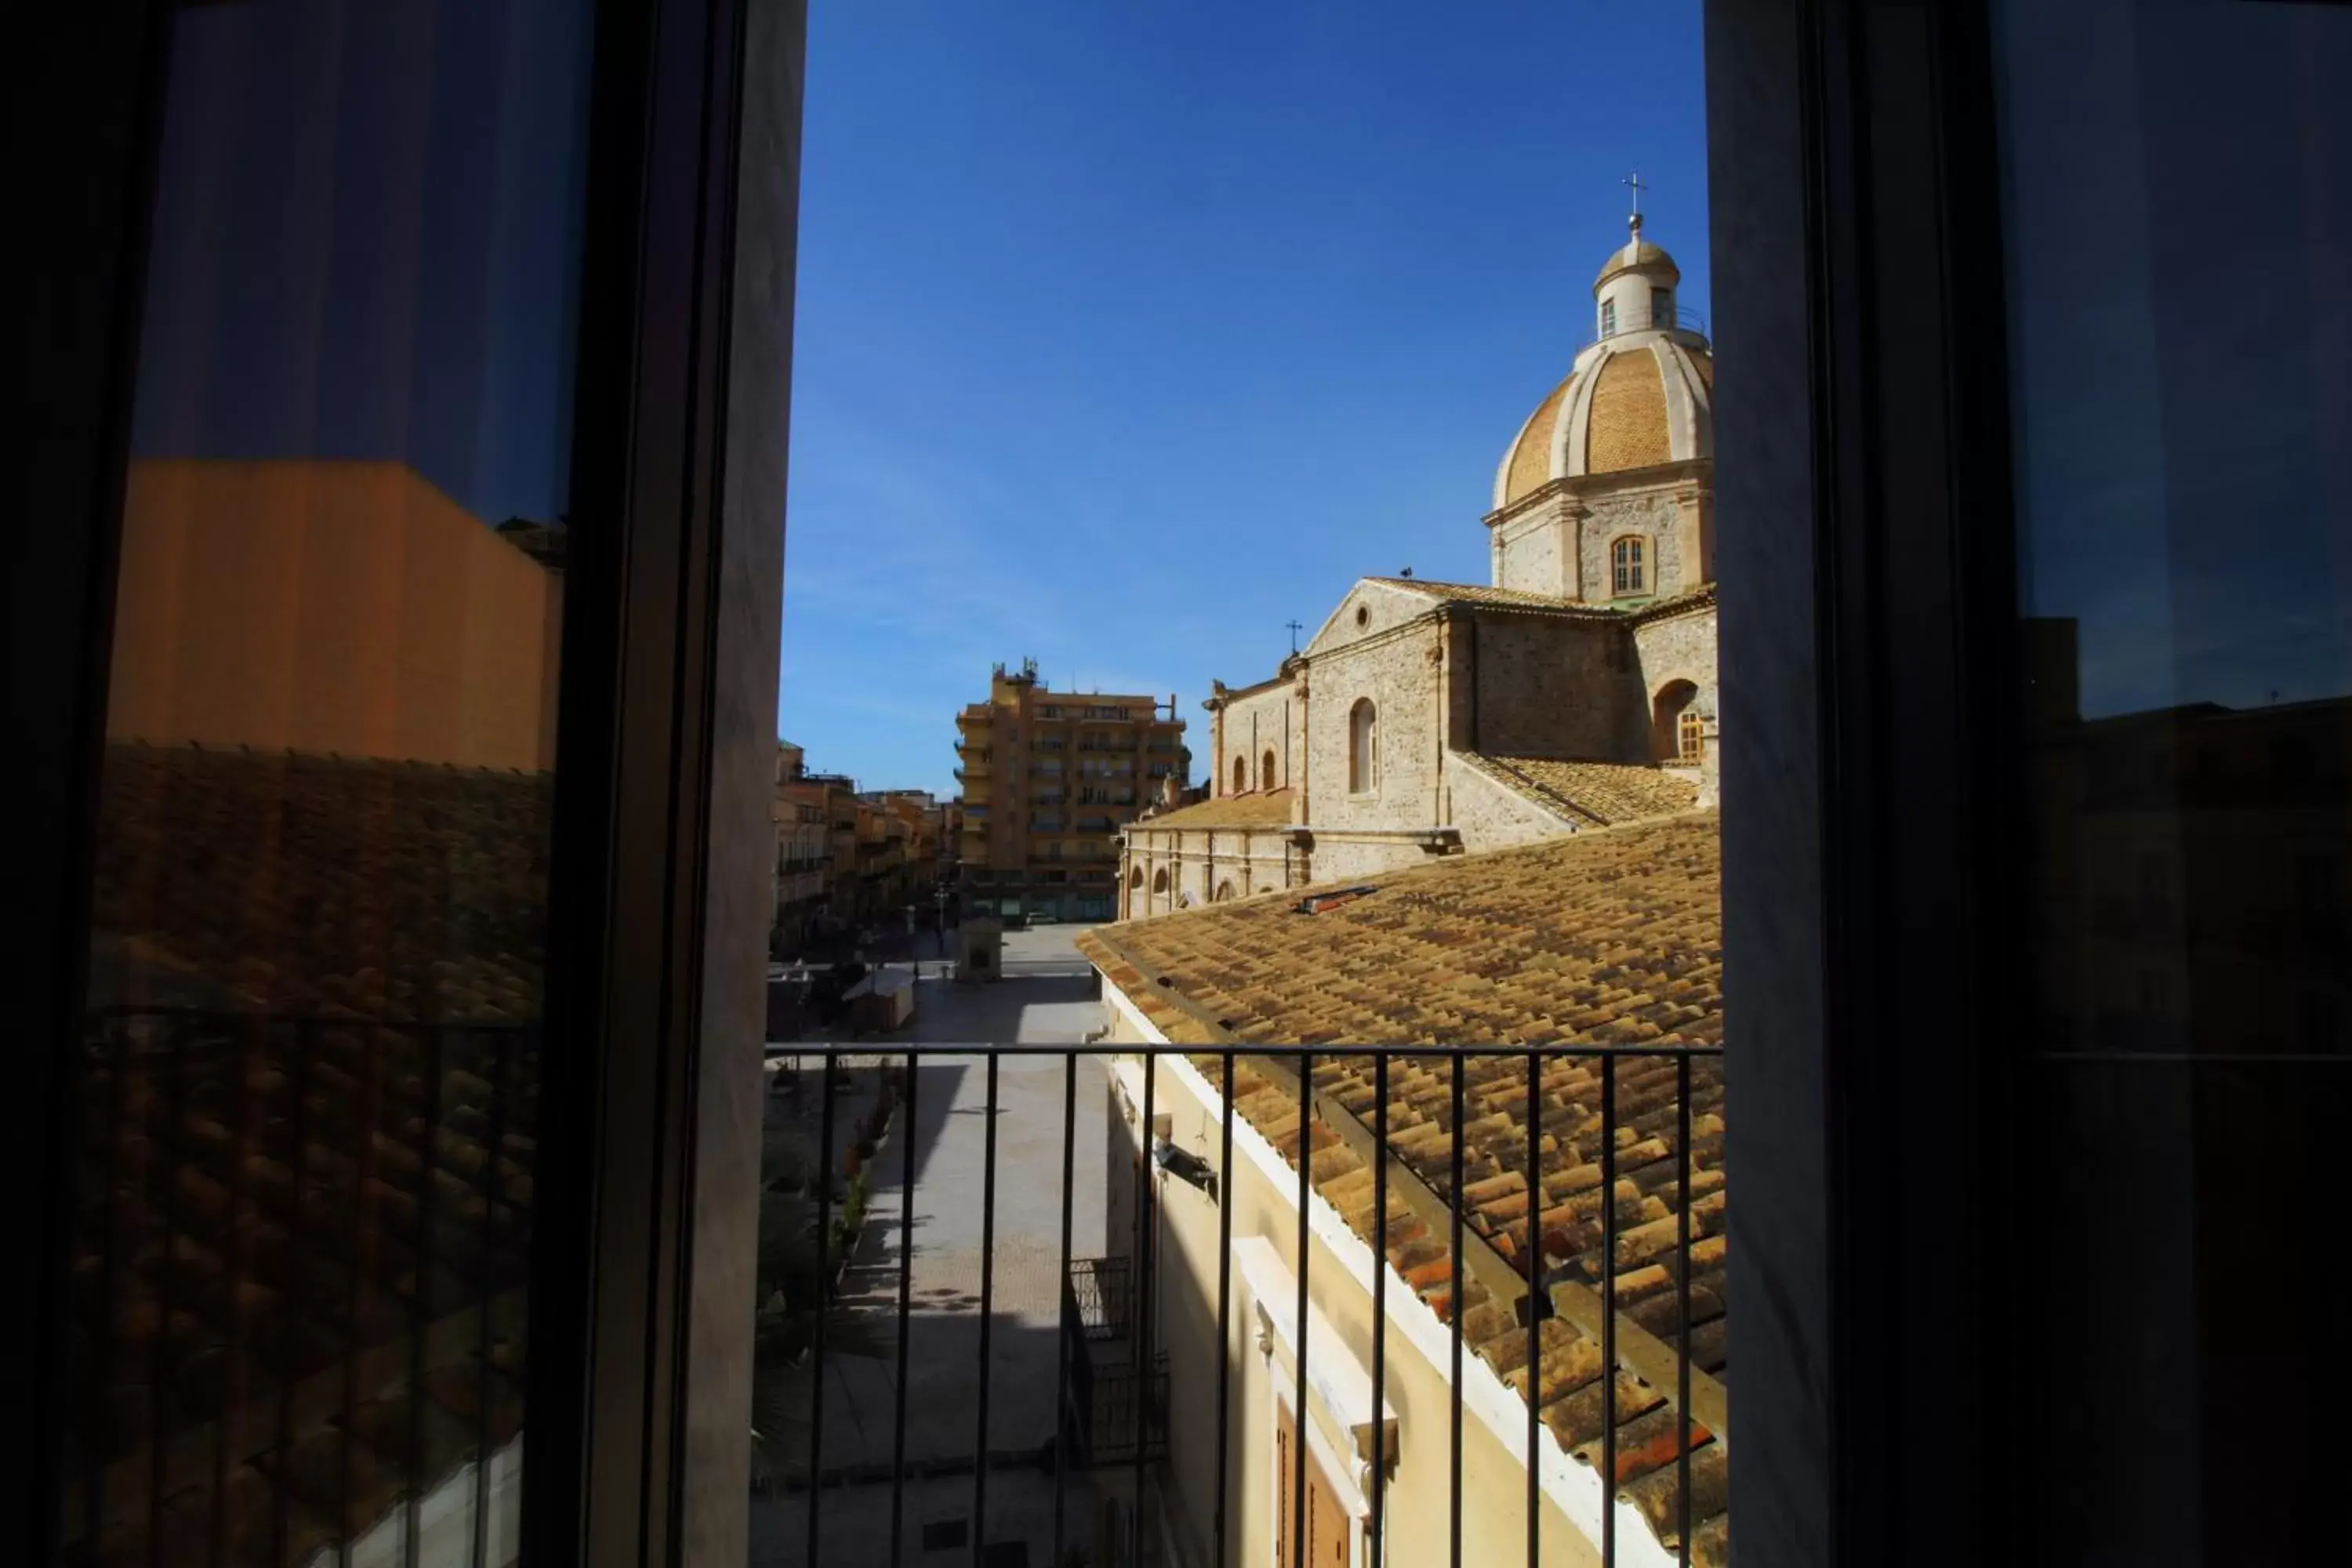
1225	891
1159	880
1241	774
1673	723
1628	568
1690	738
1265	770
1363	748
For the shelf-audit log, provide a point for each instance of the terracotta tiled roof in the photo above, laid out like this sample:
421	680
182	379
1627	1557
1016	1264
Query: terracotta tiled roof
1609	936
352	1202
1259	808
1481	593
1494	1199
1603	792
346	888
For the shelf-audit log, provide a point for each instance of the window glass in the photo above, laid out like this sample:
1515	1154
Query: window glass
299	1322
2184	544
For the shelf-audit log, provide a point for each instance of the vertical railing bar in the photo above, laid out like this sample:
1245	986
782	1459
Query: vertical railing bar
1608	1311
419	1309
1225	1298
1458	1280
1376	1535
493	1191
363	1171
1061	1358
1298	1420
282	1498
1147	1239
96	1463
239	1321
905	1312
987	1311
824	1301
1538	1300
1683	1309
157	1426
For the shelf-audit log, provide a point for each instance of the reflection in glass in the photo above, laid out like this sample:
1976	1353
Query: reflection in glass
2176	189
309	1112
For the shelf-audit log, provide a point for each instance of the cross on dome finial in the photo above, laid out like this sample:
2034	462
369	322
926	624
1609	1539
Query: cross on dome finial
1634	180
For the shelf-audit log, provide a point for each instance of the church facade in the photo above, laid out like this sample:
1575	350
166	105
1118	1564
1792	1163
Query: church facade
1575	688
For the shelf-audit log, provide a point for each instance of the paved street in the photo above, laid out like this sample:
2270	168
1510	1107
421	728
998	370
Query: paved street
1046	997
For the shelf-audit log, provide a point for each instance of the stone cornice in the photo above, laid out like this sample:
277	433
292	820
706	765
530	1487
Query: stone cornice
1659	476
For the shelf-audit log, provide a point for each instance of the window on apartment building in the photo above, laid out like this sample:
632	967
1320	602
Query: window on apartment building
1363	747
1628	572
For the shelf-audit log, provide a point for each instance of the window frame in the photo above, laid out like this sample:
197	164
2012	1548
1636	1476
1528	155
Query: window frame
662	817
1866	584
1629	568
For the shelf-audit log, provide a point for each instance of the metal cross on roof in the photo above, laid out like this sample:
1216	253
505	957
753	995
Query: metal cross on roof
1634	180
1295	629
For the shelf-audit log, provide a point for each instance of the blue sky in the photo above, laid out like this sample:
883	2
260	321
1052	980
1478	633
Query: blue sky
1129	330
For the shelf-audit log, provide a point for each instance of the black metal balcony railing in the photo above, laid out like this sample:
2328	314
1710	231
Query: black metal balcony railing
1099	1293
1613	1173
304	1242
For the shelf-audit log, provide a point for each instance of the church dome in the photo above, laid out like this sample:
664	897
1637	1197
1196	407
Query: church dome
1639	394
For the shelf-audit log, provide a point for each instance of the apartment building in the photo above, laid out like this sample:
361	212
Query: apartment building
1049	778
800	883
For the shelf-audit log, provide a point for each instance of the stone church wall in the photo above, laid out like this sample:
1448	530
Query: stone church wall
1399	671
1652	513
1339	858
1492	815
1550	685
1528	550
1681	648
1255	725
1198	861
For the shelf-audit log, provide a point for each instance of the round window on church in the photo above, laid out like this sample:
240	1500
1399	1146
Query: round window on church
1363	615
